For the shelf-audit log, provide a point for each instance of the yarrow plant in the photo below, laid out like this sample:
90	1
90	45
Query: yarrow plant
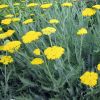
49	50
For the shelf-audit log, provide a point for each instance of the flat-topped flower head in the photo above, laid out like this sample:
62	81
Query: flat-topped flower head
82	31
6	60
88	12
31	36
54	52
4	6
32	5
98	67
53	21
9	16
37	51
28	21
96	6
6	21
7	34
48	30
15	19
11	46
89	78
46	5
66	4
37	61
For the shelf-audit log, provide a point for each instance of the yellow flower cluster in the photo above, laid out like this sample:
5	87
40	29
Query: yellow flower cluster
31	36
7	34
48	30
89	78
82	31
32	5
37	61
8	21
53	21
88	12
98	67
37	51
3	6
54	52
67	4
46	6
28	21
96	6
6	60
11	46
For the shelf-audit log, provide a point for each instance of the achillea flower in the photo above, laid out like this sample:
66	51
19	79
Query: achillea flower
32	5
82	31
46	5
88	12
67	4
48	30
9	16
54	52
0	29
3	6
9	33
89	78
3	36
6	21
37	51
28	21
53	21
37	61
11	46
6	60
15	19
31	36
98	67
16	4
96	6
32	14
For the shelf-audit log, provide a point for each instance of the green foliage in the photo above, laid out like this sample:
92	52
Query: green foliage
59	79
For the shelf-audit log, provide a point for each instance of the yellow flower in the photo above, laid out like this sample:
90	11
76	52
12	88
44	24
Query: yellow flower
3	6
31	36
9	33
89	78
67	4
15	19
16	4
37	61
48	30
54	52
11	46
32	14
98	67
82	31
6	21
32	4
28	21
88	12
3	36
46	6
6	60
9	16
37	51
53	21
0	29
96	7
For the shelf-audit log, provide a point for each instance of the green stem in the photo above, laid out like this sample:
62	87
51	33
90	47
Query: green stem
81	46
